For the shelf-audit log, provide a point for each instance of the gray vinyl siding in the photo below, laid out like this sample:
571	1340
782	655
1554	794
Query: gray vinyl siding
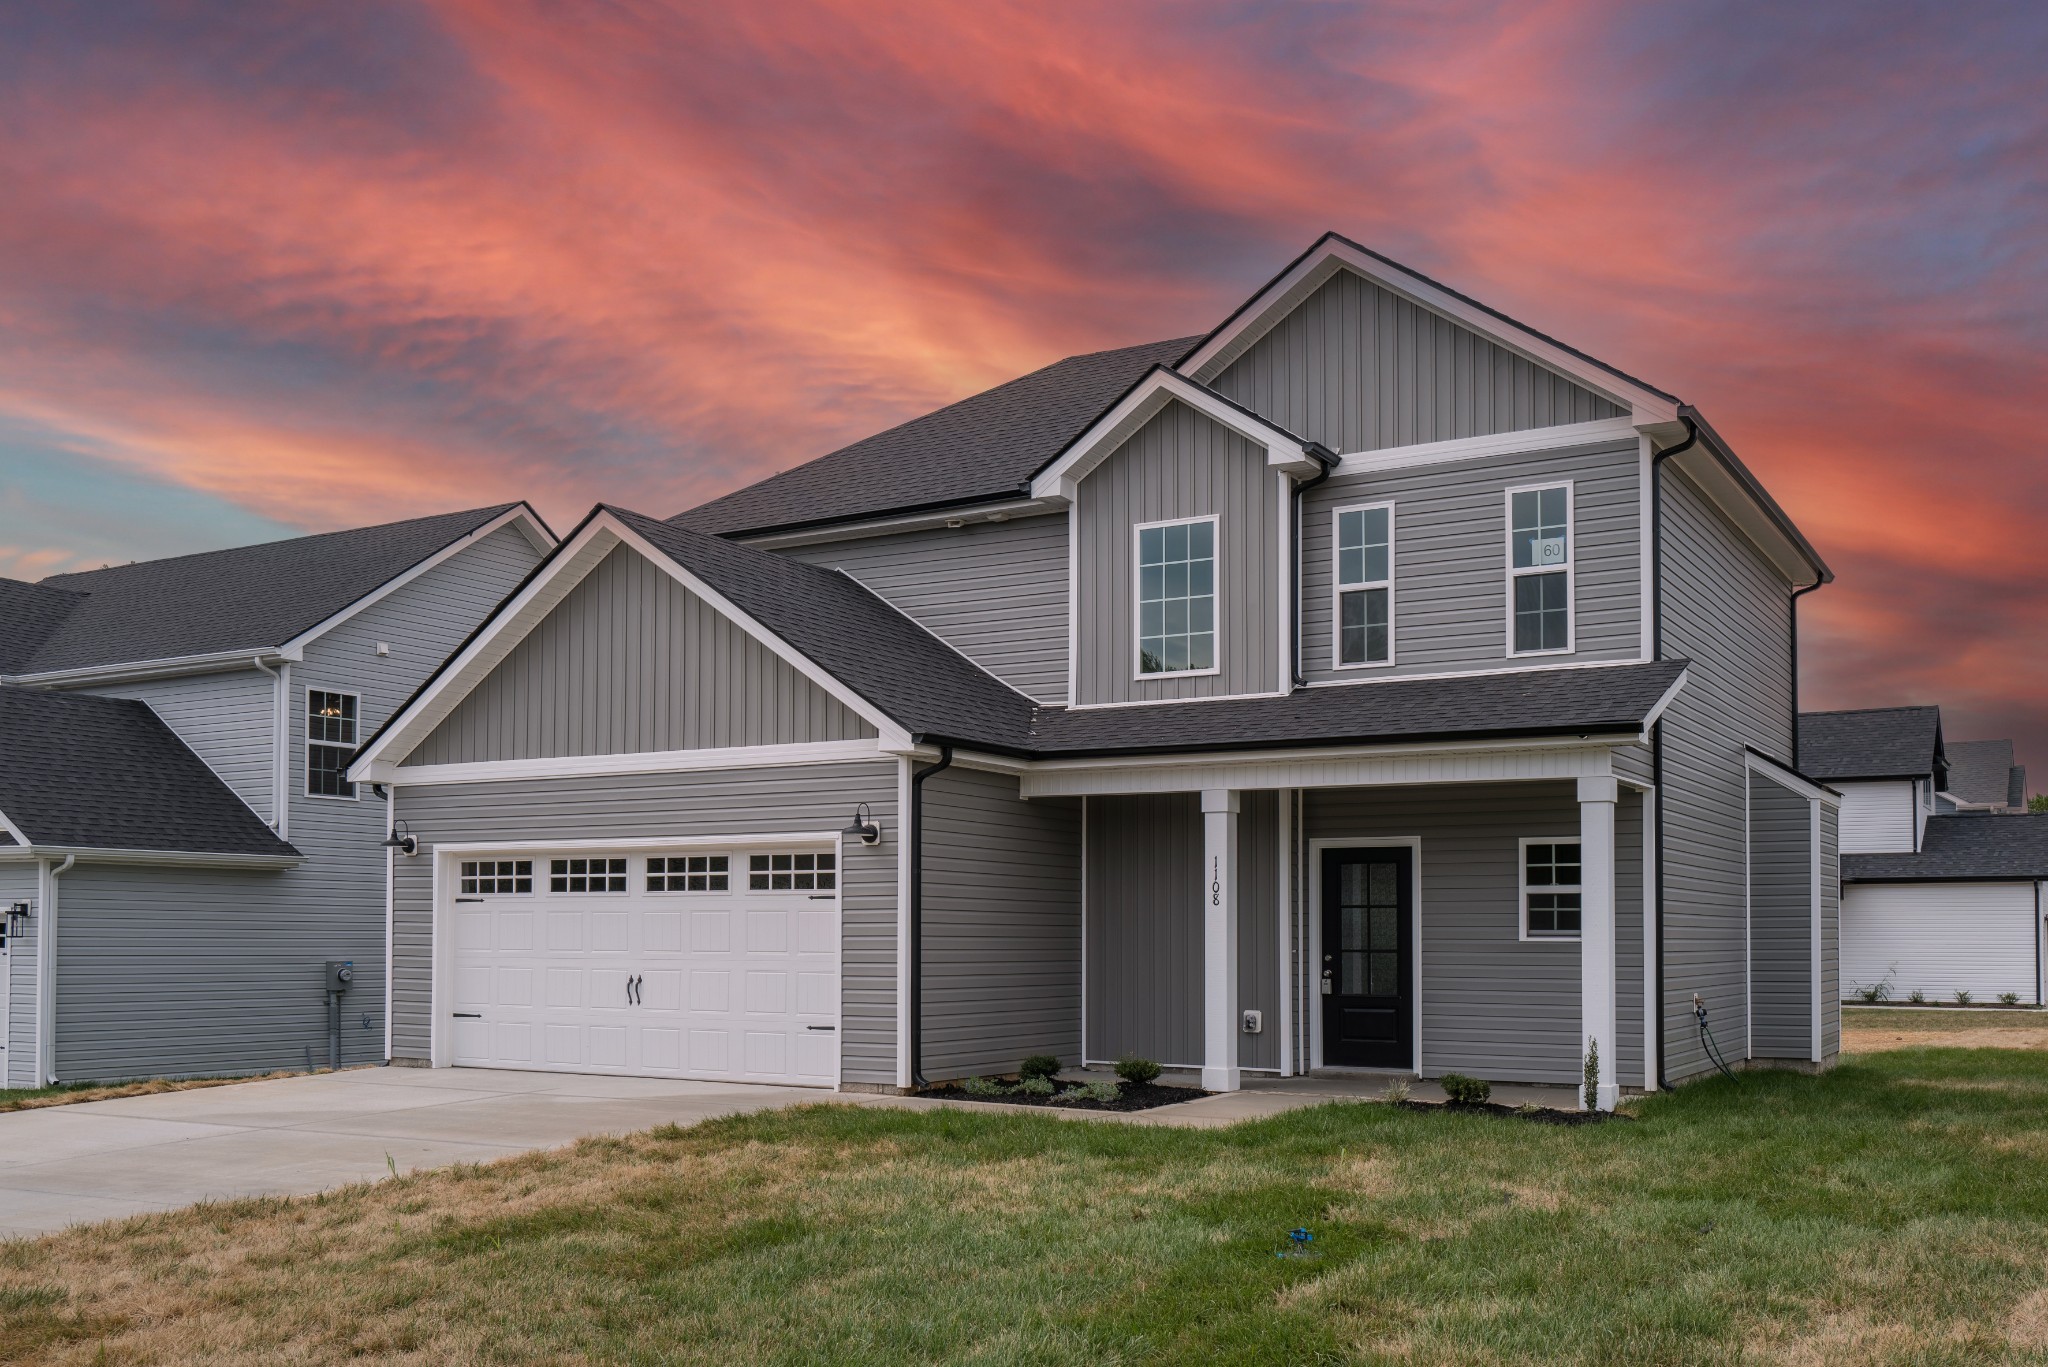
1628	939
1450	560
1002	925
1179	465
994	591
225	719
632	661
1144	934
1359	368
1780	921
1830	933
1725	611
178	971
764	800
1259	985
1493	1005
18	1063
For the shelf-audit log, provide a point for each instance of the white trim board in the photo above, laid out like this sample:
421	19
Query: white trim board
995	510
640	762
196	859
1524	441
1319	769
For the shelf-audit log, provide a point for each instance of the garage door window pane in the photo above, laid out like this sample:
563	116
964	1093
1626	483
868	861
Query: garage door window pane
689	873
792	872
497	875
586	875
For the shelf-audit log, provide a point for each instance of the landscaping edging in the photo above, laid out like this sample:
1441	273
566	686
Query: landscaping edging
1538	1115
1131	1096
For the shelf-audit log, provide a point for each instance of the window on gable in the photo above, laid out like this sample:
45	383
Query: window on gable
1550	889
1540	570
1177	598
330	740
1365	585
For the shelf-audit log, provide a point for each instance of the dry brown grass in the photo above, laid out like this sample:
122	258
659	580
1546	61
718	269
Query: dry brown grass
71	1096
1980	1037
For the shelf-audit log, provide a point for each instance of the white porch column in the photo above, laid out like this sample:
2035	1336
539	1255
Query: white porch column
1597	797
1219	940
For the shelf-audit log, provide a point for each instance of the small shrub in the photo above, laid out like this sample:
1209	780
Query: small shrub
1917	997
1396	1091
1962	997
1038	1065
1137	1071
1036	1086
1591	1096
2008	999
983	1086
1104	1091
1465	1091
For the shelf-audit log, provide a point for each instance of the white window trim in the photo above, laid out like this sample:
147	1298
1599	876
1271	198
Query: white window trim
307	743
1522	897
1338	588
1138	529
1570	567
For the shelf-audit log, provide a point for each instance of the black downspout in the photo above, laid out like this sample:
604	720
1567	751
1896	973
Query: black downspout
1792	614
917	778
1657	459
1328	460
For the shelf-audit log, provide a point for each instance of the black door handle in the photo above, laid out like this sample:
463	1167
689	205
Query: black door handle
469	1015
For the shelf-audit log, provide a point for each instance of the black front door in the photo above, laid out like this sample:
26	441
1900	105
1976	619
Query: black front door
1368	974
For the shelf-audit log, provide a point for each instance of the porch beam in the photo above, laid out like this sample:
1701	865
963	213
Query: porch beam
1597	996
1220	1071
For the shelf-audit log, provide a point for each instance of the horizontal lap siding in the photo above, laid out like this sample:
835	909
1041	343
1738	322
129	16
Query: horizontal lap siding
1002	925
994	591
18	1064
1934	938
225	719
794	798
1180	465
1725	611
1144	941
632	661
1493	1004
1880	817
1780	921
1258	926
1830	933
1359	368
1450	559
1628	937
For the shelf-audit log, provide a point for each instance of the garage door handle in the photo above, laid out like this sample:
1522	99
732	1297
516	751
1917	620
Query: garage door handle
469	1015
821	1027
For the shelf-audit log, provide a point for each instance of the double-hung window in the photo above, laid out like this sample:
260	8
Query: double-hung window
1365	585
1177	597
1540	570
1550	889
330	740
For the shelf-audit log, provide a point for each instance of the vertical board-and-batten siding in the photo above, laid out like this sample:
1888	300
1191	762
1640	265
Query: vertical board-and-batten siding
1179	465
1145	927
1002	925
1493	1004
1781	890
1725	610
18	882
631	661
1360	368
1451	582
704	804
994	591
196	971
226	719
1880	816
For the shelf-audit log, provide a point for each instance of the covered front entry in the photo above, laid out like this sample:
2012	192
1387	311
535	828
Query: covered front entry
1367	976
719	964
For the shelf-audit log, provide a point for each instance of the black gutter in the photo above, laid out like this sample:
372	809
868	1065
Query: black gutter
916	910
1657	459
1326	458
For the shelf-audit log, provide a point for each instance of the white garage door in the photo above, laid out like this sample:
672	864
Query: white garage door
1934	938
716	964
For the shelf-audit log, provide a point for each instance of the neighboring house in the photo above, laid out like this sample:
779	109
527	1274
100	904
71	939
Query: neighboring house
173	801
1942	868
1372	682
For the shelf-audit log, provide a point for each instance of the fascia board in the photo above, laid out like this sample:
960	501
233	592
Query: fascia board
1725	492
638	762
1646	406
1786	777
213	662
998	510
1151	394
197	859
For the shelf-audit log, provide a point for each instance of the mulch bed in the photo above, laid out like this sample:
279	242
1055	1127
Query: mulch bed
1140	1096
1539	1115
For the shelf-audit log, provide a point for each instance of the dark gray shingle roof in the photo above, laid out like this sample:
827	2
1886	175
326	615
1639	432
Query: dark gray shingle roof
1979	770
250	597
1962	847
29	614
1879	742
106	773
982	447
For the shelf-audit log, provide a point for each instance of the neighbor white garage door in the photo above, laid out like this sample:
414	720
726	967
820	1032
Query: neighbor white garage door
1934	938
716	964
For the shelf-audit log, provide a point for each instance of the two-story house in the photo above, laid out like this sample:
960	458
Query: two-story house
1943	867
1373	682
181	849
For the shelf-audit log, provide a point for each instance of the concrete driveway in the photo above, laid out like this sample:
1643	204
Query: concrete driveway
97	1160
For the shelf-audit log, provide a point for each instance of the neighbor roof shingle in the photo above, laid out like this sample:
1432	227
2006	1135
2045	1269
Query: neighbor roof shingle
985	446
1880	742
29	615
247	598
1961	847
106	773
1979	770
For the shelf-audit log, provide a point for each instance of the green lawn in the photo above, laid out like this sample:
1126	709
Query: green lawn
1892	1211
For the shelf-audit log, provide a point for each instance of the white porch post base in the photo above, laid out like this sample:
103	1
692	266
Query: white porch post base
1597	796
1219	940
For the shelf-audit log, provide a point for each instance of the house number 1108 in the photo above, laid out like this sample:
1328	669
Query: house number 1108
1216	882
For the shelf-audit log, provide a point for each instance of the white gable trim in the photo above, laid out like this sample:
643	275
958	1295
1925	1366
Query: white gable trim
1789	779
1509	761
632	762
21	841
1525	441
543	593
522	517
1333	254
1060	480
